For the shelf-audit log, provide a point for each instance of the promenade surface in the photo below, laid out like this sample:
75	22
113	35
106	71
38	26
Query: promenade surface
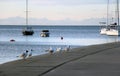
96	60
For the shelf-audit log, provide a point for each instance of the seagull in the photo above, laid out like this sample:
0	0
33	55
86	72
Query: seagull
59	49
67	48
51	50
30	54
24	55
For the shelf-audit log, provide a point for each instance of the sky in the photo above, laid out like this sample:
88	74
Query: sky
53	11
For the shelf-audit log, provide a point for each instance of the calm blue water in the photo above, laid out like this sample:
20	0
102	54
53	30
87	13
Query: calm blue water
75	36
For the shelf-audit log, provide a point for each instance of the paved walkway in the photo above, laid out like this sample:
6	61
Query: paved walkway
97	60
106	63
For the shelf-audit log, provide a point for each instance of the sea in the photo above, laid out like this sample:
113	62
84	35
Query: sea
73	36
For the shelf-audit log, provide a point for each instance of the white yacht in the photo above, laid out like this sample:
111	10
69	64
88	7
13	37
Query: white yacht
114	28
112	32
104	24
103	31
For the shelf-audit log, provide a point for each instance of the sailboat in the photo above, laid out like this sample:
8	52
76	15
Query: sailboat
104	29
113	29
28	30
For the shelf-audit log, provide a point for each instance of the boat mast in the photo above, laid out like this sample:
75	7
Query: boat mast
118	13
107	12
27	13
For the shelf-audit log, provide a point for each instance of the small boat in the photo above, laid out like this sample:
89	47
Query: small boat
12	40
28	31
45	33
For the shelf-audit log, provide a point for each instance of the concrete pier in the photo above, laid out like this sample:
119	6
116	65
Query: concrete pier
95	60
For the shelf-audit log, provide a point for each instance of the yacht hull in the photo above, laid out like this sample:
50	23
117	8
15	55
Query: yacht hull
112	32
103	31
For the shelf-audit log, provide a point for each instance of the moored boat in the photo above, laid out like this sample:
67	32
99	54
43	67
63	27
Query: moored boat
45	33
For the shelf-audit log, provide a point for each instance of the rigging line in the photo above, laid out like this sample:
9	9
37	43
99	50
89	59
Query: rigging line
27	19
118	11
107	11
26	12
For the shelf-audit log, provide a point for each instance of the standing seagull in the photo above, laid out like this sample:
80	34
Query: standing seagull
24	55
59	49
30	54
51	50
67	48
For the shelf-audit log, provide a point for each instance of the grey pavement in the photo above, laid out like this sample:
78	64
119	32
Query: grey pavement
105	63
95	60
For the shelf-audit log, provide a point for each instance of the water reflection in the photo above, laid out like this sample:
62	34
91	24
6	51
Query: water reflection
112	39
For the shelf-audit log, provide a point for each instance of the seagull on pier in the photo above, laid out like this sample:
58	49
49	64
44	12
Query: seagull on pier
67	48
51	50
30	54
59	49
24	55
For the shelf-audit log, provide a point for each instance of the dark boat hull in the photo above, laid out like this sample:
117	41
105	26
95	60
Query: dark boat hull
27	32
